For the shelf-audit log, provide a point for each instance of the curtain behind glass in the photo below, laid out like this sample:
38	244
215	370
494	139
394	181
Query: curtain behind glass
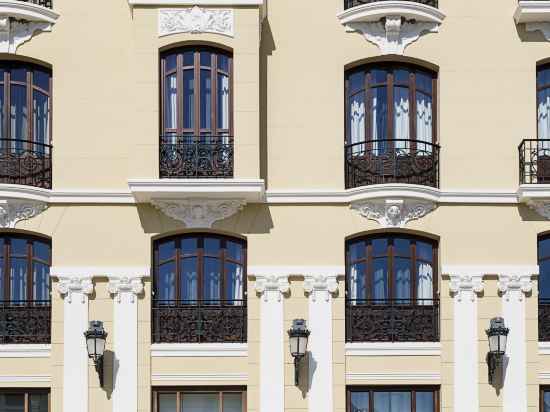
359	402
223	105
546	401
190	280
41	120
402	279
425	283
18	279
212	279
38	402
170	107
379	104
235	284
424	122
200	402
357	123
18	115
543	124
401	119
424	402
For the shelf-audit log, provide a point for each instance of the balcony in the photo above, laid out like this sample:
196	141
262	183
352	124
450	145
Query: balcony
199	321
24	162
25	322
43	3
348	4
544	320
391	161
392	320
196	157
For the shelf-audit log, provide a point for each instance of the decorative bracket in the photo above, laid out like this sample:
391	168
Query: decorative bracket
13	211
515	285
125	284
14	32
67	286
543	27
271	285
196	20
542	207
325	284
199	213
466	285
394	212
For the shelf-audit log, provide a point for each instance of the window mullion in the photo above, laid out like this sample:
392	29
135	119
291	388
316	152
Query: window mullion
30	114
214	95
178	271
197	88
30	268
390	134
180	100
413	135
414	274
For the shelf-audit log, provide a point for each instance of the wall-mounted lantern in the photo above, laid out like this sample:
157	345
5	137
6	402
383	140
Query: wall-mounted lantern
498	336
298	337
95	343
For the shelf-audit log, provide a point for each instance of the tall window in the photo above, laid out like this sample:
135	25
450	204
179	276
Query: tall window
197	94
389	104
544	268
392	267
543	104
24	400
380	399
224	400
24	269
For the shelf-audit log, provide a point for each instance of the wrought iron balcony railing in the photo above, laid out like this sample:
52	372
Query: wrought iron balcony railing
24	162
353	3
392	161
43	3
534	161
392	320
25	321
196	157
544	320
199	321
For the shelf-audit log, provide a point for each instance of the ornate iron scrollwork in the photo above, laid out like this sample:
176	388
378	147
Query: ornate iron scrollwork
25	163
25	322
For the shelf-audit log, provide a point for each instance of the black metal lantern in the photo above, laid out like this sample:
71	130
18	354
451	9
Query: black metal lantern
298	337
498	337
95	343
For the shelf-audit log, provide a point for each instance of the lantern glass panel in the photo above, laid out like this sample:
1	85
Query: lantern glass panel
100	345
303	345
502	345
90	343
294	342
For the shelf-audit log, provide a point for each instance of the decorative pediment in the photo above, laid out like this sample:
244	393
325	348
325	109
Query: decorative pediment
325	285
199	213
393	212
196	20
13	211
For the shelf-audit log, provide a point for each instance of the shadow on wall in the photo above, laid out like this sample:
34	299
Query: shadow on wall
308	370
267	47
528	214
529	36
253	219
110	372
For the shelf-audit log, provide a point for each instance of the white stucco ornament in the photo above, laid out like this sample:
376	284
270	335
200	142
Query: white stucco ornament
325	285
199	213
196	20
125	284
542	207
466	285
67	286
14	32
13	211
514	285
271	285
393	212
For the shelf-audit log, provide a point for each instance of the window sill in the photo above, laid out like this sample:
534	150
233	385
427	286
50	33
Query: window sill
393	349
27	11
185	350
25	351
134	3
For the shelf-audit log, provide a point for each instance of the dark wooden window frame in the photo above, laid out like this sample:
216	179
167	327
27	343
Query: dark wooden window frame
27	392
542	389
179	391
390	254
412	389
30	88
200	255
30	259
390	83
196	131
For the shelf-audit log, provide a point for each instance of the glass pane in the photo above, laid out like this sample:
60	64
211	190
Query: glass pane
2	279
18	247
357	281
379	76
166	285
167	250
170	62
206	58
544	248
424	121
232	402
380	247
41	120
189	279
12	402
379	116
189	246
382	402
234	250
38	402
18	75
188	99
41	282
200	402
402	247
19	113
212	280
167	402
223	62
357	250
546	401
223	101
424	402
400	401
206	99
543	119
171	103
18	279
189	58
360	402
356	82
425	281
402	278
424	251
401	76
212	246
41	250
424	82
2	117
41	79
357	121
401	115
544	280
380	280
234	282
543	77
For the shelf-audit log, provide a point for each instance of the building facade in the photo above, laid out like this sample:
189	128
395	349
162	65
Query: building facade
197	175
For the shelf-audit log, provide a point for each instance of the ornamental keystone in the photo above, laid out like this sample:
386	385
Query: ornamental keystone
393	212
199	213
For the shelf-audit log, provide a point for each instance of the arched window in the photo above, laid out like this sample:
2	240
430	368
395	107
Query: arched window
200	280
391	125
391	282
25	124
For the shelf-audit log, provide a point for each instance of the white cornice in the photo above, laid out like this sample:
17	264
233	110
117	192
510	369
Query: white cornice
185	350
373	12
25	351
195	2
532	11
544	348
199	377
25	378
27	11
394	376
393	349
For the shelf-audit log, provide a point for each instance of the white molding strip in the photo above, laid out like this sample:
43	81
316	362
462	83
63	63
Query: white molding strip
25	351
544	348
393	349
395	376
199	377
223	350
25	378
544	376
195	2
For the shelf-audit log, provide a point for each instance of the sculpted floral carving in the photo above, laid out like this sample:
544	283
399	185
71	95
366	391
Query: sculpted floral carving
515	285
129	285
196	20
393	212
68	286
323	284
13	32
13	211
199	213
272	285
466	285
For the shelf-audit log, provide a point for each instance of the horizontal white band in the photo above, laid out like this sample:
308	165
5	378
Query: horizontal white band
496	269
200	377
162	350
24	378
393	349
25	351
395	376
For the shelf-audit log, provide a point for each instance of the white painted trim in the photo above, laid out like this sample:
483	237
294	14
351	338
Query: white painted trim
195	2
532	11
200	377
544	348
393	349
373	12
170	350
544	376
27	11
25	378
25	351
395	376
